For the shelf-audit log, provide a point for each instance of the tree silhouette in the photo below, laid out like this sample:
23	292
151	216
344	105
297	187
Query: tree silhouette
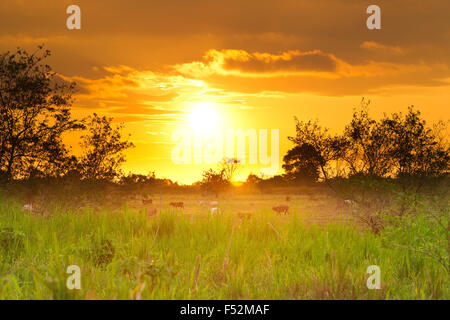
214	182
230	168
414	148
314	149
34	114
367	144
302	163
35	105
393	146
103	148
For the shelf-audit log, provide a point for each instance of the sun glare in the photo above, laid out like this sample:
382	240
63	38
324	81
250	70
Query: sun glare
204	118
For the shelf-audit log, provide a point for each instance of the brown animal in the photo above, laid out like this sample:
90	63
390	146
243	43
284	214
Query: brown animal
244	216
35	209
151	211
288	198
147	202
177	204
281	209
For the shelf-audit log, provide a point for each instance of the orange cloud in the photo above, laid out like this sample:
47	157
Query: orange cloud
309	71
243	63
291	61
375	46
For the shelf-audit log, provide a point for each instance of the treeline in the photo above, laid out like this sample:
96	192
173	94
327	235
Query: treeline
35	115
397	145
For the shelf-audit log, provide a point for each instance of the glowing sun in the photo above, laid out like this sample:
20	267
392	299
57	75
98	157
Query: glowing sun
204	118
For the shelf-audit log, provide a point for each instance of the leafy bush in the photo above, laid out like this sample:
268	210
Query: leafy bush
427	233
103	253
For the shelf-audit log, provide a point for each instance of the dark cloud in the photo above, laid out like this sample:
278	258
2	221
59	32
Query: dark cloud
154	34
171	31
291	61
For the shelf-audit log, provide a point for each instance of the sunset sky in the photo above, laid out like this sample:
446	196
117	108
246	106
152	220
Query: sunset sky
158	66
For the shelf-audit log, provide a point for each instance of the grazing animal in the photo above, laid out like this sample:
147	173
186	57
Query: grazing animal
349	202
28	207
151	211
288	198
281	209
207	203
177	204
244	216
214	211
35	209
147	202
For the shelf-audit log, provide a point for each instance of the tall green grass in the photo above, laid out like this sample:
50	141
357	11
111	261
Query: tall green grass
125	255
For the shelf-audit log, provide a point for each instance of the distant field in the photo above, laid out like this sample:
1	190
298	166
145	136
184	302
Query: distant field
315	252
309	208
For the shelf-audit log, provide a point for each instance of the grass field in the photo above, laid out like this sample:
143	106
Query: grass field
315	252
